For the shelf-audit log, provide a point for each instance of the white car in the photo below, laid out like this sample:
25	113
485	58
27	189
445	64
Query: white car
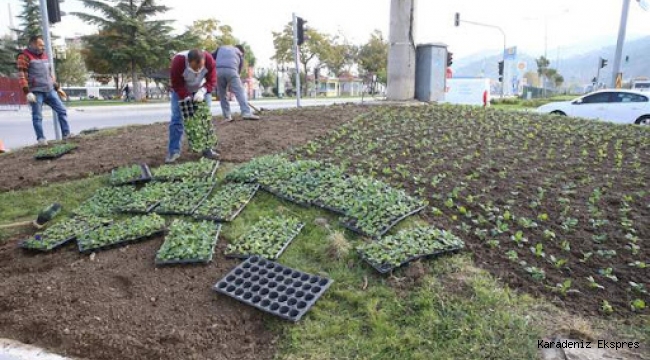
618	106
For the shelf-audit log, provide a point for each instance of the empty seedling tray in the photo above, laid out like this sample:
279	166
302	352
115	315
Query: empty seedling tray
273	288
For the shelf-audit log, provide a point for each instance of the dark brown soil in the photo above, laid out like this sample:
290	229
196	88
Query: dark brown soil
239	141
500	160
119	306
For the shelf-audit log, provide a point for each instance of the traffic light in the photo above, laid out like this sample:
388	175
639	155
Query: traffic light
53	11
301	30
501	65
457	20
450	59
603	63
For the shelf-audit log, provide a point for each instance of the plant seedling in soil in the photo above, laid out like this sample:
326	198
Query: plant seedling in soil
407	245
189	242
608	273
638	264
150	195
638	305
606	308
537	273
638	287
267	238
593	284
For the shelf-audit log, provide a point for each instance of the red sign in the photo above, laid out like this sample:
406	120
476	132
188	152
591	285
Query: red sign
450	73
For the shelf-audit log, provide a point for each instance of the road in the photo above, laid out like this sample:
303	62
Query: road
16	128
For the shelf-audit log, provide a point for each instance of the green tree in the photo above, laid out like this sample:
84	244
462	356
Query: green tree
128	25
7	56
268	78
30	22
99	58
212	34
373	57
71	71
313	48
338	55
542	69
559	80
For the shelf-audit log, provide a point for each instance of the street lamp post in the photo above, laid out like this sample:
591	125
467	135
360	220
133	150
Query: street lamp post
619	43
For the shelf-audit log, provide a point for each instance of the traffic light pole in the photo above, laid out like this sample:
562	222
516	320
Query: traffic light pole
504	46
600	66
296	51
619	44
45	23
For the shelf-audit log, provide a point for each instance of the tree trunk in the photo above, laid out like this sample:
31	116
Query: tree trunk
116	80
136	84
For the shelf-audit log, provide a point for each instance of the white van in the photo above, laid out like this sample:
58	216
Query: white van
641	85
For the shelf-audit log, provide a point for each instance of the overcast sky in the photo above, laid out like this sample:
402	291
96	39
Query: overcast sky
573	26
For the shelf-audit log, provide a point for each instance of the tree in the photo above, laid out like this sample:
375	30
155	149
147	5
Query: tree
542	69
211	34
30	22
373	57
100	59
71	71
532	78
268	78
127	25
338	55
559	80
7	56
313	48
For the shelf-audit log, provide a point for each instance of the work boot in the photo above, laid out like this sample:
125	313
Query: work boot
250	117
210	154
172	158
42	142
228	119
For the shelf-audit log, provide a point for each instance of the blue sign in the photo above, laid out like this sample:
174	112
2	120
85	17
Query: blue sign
510	53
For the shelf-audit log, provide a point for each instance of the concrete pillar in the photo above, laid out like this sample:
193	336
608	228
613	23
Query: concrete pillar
401	54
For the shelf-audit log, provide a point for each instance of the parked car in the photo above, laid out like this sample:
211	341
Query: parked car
615	105
641	85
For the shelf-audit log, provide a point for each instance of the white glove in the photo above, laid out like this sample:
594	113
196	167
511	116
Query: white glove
200	95
31	97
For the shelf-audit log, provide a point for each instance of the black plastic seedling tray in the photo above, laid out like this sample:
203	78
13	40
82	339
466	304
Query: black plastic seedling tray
284	247
58	244
233	215
190	213
139	212
145	177
273	288
285	197
385	268
384	230
120	243
210	175
53	157
319	204
193	261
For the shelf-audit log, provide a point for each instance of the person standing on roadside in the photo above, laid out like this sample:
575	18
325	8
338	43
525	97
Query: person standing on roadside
193	77
230	62
40	87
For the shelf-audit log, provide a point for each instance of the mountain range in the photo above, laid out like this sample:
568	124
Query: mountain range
577	69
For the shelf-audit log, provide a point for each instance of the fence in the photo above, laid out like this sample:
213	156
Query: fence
11	95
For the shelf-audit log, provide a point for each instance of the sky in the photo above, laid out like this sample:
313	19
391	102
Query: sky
564	27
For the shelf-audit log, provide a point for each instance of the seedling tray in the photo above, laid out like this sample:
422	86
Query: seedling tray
55	156
139	212
284	247
347	224
273	288
144	177
233	215
192	261
190	213
209	175
284	197
319	204
385	268
120	243
56	245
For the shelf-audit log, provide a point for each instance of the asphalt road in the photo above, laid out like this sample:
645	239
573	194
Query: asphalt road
16	128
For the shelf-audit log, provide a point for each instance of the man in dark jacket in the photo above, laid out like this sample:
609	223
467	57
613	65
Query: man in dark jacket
35	76
192	80
230	61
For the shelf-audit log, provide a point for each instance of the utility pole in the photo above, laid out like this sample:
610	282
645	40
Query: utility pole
401	54
296	52
45	23
619	44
